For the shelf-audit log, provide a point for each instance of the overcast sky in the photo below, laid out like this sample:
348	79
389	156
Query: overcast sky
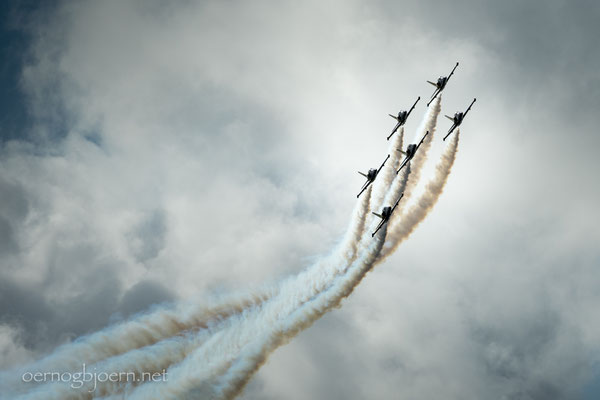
155	151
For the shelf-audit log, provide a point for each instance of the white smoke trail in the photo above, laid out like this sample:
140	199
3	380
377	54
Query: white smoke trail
162	355
254	355
141	331
429	123
357	227
388	173
347	250
214	357
417	213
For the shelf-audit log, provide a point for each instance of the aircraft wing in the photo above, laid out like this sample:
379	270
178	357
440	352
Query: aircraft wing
437	91
413	107
422	140
406	160
450	131
384	161
378	228
365	186
451	73
395	129
398	201
471	105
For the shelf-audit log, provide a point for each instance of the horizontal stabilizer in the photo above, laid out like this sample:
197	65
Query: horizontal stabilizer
393	116
450	118
379	215
365	175
432	83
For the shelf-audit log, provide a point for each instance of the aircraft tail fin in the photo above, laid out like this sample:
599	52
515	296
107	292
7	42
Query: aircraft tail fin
432	83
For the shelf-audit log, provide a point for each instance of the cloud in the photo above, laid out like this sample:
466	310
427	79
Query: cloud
148	237
13	352
143	294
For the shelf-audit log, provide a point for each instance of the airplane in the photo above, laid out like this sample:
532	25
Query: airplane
402	117
385	215
440	84
458	119
411	150
371	175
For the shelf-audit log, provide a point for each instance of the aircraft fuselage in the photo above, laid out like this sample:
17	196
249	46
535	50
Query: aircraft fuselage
372	174
386	213
441	82
458	117
402	116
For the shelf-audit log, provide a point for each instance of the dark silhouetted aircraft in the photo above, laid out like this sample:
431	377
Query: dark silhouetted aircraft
458	119
410	152
440	84
371	175
385	215
402	117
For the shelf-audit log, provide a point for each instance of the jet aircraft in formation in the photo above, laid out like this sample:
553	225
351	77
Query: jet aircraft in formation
402	117
412	149
385	215
440	84
371	175
458	118
410	152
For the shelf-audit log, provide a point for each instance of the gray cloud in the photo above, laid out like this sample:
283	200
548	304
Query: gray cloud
148	237
45	322
13	210
143	294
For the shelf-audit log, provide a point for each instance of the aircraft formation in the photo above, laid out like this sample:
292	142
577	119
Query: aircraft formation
411	149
